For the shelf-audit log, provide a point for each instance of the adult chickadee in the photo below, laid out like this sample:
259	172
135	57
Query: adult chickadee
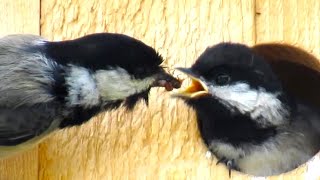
45	86
246	117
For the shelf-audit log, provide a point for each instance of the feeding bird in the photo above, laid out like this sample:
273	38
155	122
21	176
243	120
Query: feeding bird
246	117
50	85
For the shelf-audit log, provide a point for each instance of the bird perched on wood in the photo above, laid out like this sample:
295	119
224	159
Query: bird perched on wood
246	117
45	86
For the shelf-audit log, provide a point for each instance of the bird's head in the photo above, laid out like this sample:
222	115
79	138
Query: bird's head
110	68
239	81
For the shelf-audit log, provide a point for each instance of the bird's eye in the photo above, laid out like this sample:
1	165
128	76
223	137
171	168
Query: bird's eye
222	79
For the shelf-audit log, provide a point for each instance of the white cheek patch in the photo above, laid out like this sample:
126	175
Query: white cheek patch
236	96
117	84
82	88
262	106
86	88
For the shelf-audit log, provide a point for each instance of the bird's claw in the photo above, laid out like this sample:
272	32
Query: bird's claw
231	165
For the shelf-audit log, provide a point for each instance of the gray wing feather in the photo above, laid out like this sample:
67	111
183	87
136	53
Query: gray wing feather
27	107
25	72
24	123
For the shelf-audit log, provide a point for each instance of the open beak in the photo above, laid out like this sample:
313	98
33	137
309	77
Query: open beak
197	88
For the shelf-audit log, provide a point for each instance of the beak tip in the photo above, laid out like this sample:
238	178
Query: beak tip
182	69
176	95
187	71
167	81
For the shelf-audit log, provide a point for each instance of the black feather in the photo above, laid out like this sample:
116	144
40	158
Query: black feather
131	101
217	123
103	50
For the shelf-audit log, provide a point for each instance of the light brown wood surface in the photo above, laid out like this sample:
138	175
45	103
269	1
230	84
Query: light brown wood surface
293	22
20	16
161	141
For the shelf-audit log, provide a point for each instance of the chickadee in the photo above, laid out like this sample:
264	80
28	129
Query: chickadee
245	116
46	86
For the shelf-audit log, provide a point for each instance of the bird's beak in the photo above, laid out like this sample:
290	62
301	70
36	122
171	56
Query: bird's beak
197	88
167	81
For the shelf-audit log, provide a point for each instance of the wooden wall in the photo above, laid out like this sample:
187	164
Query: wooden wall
161	142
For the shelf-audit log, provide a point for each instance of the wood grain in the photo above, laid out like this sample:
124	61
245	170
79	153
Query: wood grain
20	16
293	22
159	142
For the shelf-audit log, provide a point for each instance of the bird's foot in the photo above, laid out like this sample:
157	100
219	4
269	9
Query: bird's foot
231	164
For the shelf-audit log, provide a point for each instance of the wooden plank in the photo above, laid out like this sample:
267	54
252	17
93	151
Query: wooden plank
161	142
293	22
20	16
296	23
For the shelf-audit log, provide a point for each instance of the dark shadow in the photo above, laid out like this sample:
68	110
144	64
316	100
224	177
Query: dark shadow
298	70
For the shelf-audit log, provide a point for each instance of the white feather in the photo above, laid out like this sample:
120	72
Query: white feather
262	106
88	89
82	87
277	155
115	84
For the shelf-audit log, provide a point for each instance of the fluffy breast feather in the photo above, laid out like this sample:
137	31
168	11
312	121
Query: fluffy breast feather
293	145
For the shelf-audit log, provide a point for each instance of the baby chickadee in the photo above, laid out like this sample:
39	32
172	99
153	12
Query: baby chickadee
245	116
46	86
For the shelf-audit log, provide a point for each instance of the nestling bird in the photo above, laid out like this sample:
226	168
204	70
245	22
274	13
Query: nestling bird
246	117
45	86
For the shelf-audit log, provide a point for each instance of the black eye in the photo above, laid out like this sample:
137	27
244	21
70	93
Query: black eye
222	79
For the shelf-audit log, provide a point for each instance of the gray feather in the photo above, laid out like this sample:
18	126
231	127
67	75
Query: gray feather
21	124
25	72
28	111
